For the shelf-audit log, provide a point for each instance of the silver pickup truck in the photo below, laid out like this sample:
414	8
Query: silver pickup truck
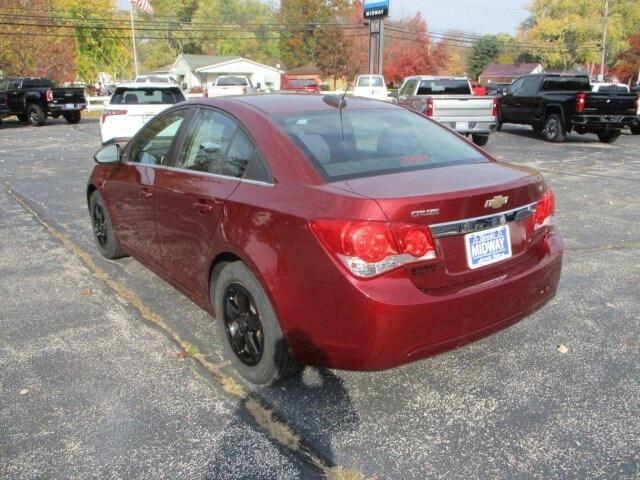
450	101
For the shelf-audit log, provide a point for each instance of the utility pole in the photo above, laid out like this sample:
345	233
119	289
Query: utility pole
603	47
133	40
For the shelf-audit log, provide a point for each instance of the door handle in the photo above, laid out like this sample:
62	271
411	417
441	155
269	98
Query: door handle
202	207
146	193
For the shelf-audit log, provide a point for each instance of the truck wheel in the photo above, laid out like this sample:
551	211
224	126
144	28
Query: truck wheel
72	117
609	136
498	123
554	129
480	140
37	118
635	129
22	117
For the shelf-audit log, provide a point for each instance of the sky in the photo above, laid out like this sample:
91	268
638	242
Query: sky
484	16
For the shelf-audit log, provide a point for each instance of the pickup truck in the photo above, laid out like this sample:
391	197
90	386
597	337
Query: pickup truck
556	104
226	85
451	102
34	99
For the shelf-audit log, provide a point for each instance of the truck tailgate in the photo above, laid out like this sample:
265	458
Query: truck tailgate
68	95
447	108
610	103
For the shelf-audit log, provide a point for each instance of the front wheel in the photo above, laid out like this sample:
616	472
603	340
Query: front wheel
247	324
103	230
609	136
37	117
480	140
554	129
635	130
72	117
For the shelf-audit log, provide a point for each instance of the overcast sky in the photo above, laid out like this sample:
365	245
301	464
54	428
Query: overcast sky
484	16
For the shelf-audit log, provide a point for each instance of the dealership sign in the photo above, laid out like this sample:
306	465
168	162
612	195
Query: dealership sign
376	8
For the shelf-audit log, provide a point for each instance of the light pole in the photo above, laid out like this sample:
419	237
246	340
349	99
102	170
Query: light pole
603	47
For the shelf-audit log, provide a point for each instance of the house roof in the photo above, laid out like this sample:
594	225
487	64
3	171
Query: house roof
509	70
199	61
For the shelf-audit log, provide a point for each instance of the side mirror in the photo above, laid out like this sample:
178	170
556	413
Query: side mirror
108	154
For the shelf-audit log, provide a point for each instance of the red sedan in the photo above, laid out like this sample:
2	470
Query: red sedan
351	234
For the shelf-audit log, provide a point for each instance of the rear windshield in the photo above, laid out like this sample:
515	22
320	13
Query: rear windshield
302	82
613	88
370	82
374	142
231	82
36	83
147	96
566	84
444	87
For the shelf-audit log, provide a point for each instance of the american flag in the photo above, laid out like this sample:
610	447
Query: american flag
144	5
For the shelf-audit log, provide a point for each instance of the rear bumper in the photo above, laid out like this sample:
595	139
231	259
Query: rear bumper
605	122
386	322
472	127
61	108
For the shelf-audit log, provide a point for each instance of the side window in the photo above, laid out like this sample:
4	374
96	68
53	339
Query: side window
153	145
408	88
207	143
239	156
530	87
516	88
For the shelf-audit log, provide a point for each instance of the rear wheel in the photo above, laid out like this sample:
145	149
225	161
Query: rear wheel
480	140
498	123
635	129
72	117
37	117
103	230
609	136
247	324
554	129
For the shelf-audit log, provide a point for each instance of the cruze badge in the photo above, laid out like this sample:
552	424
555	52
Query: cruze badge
496	202
425	213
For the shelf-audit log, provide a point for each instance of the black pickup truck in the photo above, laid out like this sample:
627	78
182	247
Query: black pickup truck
556	104
34	99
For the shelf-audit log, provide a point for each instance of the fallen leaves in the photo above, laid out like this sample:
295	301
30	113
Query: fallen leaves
87	292
24	391
563	349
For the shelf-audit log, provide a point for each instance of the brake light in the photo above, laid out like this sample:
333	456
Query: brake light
545	208
494	110
108	113
430	110
49	95
369	248
581	101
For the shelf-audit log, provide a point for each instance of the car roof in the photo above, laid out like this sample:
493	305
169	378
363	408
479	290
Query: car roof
434	77
143	85
283	103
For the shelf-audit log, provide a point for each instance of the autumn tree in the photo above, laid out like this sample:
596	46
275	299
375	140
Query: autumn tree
452	48
627	67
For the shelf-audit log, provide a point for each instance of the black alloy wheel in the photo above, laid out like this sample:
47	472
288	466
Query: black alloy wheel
37	117
243	324
100	226
102	229
554	129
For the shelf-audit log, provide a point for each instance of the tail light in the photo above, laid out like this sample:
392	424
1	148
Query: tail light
545	208
107	113
581	101
49	95
430	110
494	110
368	248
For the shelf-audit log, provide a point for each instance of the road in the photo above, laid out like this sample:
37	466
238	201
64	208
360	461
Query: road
106	371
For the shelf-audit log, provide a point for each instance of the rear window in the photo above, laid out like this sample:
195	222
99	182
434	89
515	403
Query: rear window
231	82
370	82
36	83
613	88
372	142
444	87
302	82
566	84
147	96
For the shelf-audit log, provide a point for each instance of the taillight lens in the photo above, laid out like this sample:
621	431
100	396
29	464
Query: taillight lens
429	112
581	101
368	248
49	96
545	208
108	113
494	110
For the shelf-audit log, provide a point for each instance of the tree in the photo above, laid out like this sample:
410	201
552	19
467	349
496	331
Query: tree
627	67
485	51
299	18
454	52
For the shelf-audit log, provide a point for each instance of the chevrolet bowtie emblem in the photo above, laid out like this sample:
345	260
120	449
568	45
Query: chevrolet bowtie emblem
496	202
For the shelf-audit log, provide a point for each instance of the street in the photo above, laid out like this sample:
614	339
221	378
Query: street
106	371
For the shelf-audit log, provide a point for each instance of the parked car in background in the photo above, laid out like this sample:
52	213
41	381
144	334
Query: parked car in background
391	240
227	85
299	85
556	104
609	87
450	101
478	89
155	79
34	99
370	86
132	105
497	88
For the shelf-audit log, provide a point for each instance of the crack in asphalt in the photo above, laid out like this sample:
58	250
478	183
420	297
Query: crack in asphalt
606	247
265	416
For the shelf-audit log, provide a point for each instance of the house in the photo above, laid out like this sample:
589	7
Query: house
194	71
495	73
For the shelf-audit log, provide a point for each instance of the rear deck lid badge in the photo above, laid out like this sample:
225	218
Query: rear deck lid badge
432	212
496	202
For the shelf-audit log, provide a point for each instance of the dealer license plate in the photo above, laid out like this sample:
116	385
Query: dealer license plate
462	125
488	246
70	106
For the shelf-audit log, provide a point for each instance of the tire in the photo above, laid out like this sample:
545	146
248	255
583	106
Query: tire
609	136
103	230
23	117
554	129
480	140
635	129
72	117
37	117
498	124
260	354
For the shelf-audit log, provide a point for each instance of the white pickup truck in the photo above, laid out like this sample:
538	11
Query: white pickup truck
450	101
226	85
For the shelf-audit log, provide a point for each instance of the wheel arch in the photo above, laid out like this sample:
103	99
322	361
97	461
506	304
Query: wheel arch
555	108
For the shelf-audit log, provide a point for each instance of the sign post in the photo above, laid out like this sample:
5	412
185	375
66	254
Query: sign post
375	11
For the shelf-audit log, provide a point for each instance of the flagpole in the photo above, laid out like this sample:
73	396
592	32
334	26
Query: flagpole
133	40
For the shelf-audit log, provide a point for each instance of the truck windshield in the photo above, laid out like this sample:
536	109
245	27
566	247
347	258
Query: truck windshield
147	96
444	87
372	142
231	82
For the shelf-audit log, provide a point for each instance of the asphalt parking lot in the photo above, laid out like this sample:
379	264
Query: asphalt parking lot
106	371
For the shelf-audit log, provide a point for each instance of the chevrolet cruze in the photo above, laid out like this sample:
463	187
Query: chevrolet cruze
338	232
